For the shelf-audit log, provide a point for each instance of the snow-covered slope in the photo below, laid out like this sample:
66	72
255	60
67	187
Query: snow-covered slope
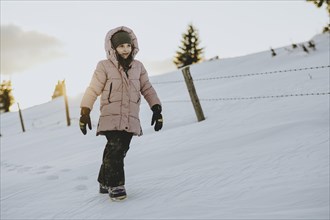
254	157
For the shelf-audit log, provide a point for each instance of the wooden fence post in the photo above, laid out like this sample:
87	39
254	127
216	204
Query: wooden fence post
193	94
21	117
66	104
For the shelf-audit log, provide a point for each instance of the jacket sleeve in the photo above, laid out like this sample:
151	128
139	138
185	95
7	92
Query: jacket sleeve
95	87
148	92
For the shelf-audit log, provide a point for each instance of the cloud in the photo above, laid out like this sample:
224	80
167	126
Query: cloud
21	50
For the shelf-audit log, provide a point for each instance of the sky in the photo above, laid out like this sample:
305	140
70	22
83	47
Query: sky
46	41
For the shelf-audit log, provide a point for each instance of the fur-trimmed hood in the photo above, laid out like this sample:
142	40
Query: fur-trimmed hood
111	52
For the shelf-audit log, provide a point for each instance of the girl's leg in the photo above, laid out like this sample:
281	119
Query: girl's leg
112	169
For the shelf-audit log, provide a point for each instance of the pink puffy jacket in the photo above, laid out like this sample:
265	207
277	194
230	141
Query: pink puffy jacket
120	95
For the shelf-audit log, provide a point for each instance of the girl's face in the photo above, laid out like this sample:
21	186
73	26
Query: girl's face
124	50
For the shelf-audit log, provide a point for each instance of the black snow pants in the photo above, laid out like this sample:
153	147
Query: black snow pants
112	169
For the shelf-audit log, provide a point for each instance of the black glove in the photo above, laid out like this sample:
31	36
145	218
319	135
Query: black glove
157	118
85	120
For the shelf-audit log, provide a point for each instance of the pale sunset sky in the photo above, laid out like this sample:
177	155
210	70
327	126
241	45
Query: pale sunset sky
46	41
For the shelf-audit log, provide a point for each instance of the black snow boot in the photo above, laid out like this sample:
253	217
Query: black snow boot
117	193
104	189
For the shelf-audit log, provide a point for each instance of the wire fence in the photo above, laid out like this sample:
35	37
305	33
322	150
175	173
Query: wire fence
247	75
196	101
250	98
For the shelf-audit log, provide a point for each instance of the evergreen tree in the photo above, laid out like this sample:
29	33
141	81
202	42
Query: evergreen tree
311	44
189	52
273	52
304	48
326	29
319	4
6	96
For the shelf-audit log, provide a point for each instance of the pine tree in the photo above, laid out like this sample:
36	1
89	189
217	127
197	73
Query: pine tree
319	3
304	48
6	96
189	52
326	28
273	52
311	44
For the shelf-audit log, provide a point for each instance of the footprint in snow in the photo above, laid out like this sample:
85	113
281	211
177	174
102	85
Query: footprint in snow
42	170
24	169
9	167
82	178
45	167
65	170
53	177
81	187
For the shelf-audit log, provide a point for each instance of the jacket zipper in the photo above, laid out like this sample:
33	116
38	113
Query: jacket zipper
110	92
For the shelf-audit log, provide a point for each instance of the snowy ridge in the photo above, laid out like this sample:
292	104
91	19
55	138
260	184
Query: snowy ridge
250	159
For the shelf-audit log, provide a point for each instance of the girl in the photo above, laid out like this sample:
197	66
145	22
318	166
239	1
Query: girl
120	80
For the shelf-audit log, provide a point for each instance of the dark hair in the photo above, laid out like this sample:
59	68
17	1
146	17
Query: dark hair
125	63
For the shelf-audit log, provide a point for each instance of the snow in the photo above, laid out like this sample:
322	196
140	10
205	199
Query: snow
264	158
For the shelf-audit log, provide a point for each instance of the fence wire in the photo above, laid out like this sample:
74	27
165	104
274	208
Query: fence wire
251	98
247	75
